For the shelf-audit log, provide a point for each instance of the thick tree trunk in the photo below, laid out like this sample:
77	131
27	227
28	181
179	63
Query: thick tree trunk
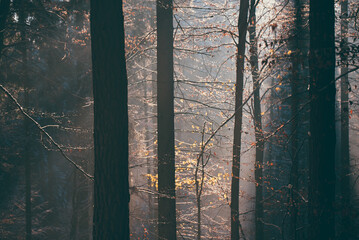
258	169
345	229
242	31
165	121
322	120
111	186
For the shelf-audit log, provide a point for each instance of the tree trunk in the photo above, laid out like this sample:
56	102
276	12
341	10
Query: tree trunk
4	12
22	22
322	120
345	229
199	180
258	170
242	31
296	80
80	203
165	121
198	184
75	211
111	186
155	159
149	157
82	194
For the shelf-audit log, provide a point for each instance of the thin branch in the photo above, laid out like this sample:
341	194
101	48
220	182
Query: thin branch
78	167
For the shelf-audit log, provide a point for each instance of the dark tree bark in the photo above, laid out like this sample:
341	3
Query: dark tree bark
258	169
242	31
345	228
165	121
111	186
322	120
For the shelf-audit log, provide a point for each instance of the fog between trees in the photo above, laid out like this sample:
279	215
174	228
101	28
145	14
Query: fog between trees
179	119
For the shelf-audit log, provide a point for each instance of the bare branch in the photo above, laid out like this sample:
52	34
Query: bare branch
78	167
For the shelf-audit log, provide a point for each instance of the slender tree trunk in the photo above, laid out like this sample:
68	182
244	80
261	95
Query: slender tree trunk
111	186
4	12
82	194
198	183
75	210
322	120
27	168
51	162
258	171
80	204
295	81
22	22
165	121
242	31
199	186
155	159
345	229
149	159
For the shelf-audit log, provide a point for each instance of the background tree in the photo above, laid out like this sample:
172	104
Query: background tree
165	121
240	57
257	118
345	230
